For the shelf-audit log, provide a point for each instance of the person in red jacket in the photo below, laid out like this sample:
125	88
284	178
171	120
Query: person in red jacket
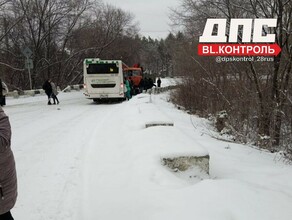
8	179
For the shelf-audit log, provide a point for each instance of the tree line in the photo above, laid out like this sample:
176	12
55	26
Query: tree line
62	33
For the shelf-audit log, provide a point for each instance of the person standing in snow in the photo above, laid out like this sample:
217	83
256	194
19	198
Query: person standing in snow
8	179
3	93
48	90
128	88
141	85
148	83
158	82
54	93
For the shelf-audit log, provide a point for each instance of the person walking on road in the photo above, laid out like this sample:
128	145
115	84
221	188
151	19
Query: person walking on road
54	93
48	90
8	179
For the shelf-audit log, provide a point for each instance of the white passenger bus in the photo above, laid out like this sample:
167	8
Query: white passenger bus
103	79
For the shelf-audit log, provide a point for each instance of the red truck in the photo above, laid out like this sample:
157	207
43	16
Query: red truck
134	74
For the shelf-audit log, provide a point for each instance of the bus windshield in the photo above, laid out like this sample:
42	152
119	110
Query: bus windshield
107	68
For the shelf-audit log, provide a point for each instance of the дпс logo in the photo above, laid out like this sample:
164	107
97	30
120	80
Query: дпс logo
256	41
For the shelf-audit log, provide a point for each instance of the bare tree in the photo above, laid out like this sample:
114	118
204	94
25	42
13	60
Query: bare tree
61	33
105	26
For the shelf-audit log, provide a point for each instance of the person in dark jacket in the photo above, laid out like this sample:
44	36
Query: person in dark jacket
148	83
141	85
3	93
158	82
48	90
8	179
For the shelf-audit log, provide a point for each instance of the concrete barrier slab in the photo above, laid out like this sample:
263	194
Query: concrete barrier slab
152	124
184	163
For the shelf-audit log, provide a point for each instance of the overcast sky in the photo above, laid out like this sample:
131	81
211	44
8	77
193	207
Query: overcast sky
152	15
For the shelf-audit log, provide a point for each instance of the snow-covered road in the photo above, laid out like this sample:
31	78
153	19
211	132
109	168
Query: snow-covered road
86	161
49	144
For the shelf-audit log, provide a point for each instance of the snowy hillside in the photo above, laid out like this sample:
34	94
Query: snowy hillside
86	161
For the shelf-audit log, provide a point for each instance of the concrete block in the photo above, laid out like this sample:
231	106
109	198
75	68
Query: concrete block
152	124
183	163
67	89
29	92
76	87
14	94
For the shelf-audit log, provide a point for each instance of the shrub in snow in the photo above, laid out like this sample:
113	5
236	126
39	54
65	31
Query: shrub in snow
265	142
226	130
221	119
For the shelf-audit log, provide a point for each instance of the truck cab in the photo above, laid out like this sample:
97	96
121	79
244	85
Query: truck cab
134	75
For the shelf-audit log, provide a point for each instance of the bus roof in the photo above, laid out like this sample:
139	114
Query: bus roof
99	61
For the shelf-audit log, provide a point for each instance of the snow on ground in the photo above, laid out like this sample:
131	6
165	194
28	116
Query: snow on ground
81	160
